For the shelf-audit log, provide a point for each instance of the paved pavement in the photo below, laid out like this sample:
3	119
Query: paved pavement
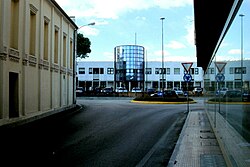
197	145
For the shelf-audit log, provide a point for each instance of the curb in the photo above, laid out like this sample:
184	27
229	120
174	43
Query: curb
160	102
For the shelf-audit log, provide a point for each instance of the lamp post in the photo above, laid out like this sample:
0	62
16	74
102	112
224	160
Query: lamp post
90	24
162	52
241	64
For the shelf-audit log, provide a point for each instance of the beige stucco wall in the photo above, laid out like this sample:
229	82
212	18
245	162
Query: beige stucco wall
43	85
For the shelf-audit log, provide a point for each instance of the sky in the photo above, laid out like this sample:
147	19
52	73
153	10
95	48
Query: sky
125	22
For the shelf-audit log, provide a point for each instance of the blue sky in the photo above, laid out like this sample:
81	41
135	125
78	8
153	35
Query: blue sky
118	22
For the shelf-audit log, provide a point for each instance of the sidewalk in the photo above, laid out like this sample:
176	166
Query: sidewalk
197	145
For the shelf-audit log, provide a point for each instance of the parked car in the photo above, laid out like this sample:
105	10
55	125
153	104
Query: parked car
107	90
136	89
197	91
150	91
166	93
121	90
232	94
79	91
178	91
246	95
222	91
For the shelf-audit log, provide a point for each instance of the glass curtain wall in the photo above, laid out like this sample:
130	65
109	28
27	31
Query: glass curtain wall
226	82
129	66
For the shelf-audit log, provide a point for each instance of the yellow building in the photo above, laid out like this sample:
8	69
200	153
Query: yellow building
36	59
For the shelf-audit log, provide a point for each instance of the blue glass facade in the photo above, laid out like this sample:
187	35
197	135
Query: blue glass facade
129	66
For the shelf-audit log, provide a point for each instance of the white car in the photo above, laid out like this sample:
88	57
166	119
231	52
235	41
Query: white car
178	91
222	91
136	89
121	90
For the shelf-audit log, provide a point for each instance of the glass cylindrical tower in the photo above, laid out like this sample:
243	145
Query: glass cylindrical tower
129	66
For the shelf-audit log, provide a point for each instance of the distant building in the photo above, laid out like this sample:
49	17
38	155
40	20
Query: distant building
102	74
36	59
129	66
232	74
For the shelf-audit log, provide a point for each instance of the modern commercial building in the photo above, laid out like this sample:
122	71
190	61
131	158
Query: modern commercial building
36	59
129	66
102	74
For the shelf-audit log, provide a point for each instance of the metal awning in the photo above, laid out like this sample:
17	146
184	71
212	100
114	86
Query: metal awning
212	21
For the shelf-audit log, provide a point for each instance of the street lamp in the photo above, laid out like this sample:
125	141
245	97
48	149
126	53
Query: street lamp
241	75
162	52
90	24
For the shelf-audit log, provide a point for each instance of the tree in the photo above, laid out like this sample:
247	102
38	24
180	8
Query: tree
83	46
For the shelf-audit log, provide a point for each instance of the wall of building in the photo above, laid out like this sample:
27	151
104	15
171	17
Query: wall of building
175	79
33	81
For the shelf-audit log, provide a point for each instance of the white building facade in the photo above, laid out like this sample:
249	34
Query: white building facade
232	74
36	59
101	74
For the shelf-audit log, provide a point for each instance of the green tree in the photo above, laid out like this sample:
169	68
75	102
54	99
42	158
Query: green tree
83	46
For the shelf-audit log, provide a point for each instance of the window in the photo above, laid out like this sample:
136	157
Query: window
95	70
81	70
191	71
211	70
32	30
101	70
56	46
110	71
237	70
176	71
14	24
168	71
196	71
157	70
90	70
45	38
64	50
71	54
164	70
148	70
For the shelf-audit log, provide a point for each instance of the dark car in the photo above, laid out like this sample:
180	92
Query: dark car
166	93
150	91
108	90
233	95
170	93
246	95
79	91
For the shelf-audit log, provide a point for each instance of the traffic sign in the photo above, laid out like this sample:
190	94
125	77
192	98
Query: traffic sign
187	66
220	77
220	66
187	78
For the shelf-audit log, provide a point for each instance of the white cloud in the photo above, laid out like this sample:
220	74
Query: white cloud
173	3
88	31
190	33
182	58
114	8
175	45
234	51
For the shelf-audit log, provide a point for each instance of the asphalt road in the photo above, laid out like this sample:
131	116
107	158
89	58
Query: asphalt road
104	133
